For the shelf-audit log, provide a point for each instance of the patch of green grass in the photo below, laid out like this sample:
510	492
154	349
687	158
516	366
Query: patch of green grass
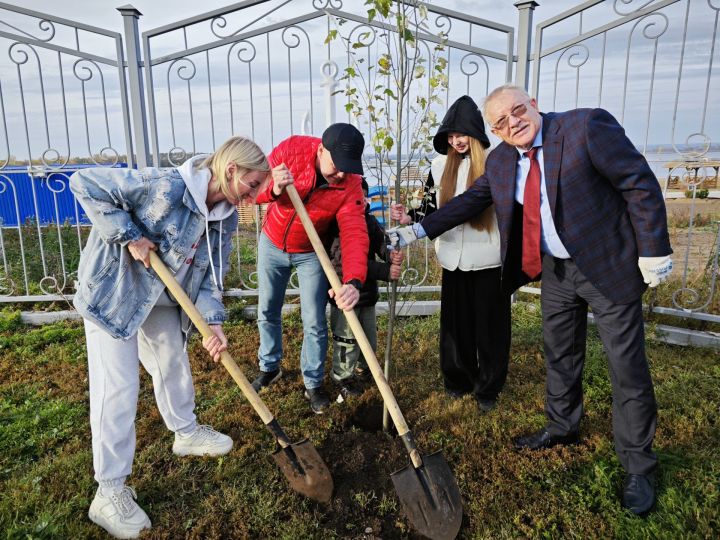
10	320
33	426
46	476
34	341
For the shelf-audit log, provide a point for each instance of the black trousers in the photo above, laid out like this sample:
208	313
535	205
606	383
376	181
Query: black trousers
474	332
565	297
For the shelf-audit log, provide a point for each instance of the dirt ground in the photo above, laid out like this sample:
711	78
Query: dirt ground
697	247
360	453
702	206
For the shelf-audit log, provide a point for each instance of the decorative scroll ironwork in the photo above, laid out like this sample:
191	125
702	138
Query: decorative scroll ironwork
639	4
470	62
577	56
237	51
185	70
43	24
8	282
327	4
246	53
83	71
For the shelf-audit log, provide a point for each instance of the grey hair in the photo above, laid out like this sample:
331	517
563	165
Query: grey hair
492	96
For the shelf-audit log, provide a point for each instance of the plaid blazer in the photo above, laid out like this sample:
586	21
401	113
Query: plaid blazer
605	200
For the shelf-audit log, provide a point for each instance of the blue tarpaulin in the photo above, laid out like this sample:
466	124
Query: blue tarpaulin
55	201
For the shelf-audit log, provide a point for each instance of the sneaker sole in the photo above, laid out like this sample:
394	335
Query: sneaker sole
99	520
221	451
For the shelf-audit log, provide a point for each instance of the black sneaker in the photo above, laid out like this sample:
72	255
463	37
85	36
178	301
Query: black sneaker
363	376
346	389
318	399
265	379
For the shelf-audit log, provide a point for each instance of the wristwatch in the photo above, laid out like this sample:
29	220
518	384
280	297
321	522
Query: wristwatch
355	283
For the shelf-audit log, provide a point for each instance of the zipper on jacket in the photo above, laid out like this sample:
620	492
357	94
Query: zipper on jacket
292	218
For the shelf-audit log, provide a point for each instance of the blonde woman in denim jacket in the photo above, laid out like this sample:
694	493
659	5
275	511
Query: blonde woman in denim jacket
187	215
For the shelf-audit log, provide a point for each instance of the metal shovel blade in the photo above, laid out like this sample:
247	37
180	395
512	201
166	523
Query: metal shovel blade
305	470
430	497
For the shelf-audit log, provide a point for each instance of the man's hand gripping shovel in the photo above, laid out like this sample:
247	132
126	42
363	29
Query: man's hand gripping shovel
426	487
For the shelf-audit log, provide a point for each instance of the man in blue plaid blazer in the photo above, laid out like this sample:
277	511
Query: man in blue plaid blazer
603	238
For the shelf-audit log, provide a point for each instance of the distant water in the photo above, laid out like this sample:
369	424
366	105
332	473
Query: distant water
659	160
657	156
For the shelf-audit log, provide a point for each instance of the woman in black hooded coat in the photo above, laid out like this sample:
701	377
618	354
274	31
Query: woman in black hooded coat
474	310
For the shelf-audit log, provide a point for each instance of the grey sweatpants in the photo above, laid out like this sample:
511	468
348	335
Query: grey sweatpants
114	375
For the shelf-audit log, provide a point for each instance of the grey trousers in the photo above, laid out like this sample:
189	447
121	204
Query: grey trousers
566	295
346	351
114	375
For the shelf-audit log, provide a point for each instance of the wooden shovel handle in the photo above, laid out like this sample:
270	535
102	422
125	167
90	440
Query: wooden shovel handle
354	322
197	319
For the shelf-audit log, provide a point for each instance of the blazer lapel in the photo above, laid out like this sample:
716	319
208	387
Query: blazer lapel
552	156
504	189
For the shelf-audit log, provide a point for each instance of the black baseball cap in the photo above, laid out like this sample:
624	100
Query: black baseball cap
345	144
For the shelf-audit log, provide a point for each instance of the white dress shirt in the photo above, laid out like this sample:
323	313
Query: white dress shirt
550	242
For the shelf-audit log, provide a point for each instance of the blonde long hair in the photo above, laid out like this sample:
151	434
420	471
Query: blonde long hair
244	152
448	182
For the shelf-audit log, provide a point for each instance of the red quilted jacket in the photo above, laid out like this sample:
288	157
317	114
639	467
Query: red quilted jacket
343	202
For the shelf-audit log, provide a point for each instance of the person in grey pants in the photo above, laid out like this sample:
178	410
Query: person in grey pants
350	371
188	216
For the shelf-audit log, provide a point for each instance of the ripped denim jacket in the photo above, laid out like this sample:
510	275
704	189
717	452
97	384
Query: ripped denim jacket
115	291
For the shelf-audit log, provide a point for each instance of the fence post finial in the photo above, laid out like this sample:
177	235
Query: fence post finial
525	9
137	92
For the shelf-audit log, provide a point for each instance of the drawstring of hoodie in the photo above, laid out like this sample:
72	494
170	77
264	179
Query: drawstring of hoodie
219	285
212	266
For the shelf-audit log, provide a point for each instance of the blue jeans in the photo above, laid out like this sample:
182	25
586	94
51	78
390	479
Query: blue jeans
274	268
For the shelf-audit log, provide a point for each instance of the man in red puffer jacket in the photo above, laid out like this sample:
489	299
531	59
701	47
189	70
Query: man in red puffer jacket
327	174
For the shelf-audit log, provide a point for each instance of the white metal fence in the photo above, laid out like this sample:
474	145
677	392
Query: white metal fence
74	95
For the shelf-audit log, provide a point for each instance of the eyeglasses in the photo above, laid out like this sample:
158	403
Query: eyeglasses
517	111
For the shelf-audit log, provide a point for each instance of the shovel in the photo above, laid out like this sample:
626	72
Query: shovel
426	487
303	467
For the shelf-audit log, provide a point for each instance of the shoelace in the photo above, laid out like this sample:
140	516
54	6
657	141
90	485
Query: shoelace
203	433
124	500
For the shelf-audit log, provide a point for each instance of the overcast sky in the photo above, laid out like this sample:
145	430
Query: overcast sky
644	103
160	12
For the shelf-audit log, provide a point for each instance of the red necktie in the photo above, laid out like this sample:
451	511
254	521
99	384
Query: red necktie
531	261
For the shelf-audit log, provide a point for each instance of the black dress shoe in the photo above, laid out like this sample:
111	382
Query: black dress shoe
543	439
486	405
456	394
639	493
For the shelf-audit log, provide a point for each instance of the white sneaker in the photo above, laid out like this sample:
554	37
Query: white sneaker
204	441
118	513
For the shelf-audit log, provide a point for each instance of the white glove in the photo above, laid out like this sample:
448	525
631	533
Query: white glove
401	236
655	270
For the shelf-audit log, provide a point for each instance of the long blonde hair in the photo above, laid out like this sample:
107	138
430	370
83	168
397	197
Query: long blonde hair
448	182
244	152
